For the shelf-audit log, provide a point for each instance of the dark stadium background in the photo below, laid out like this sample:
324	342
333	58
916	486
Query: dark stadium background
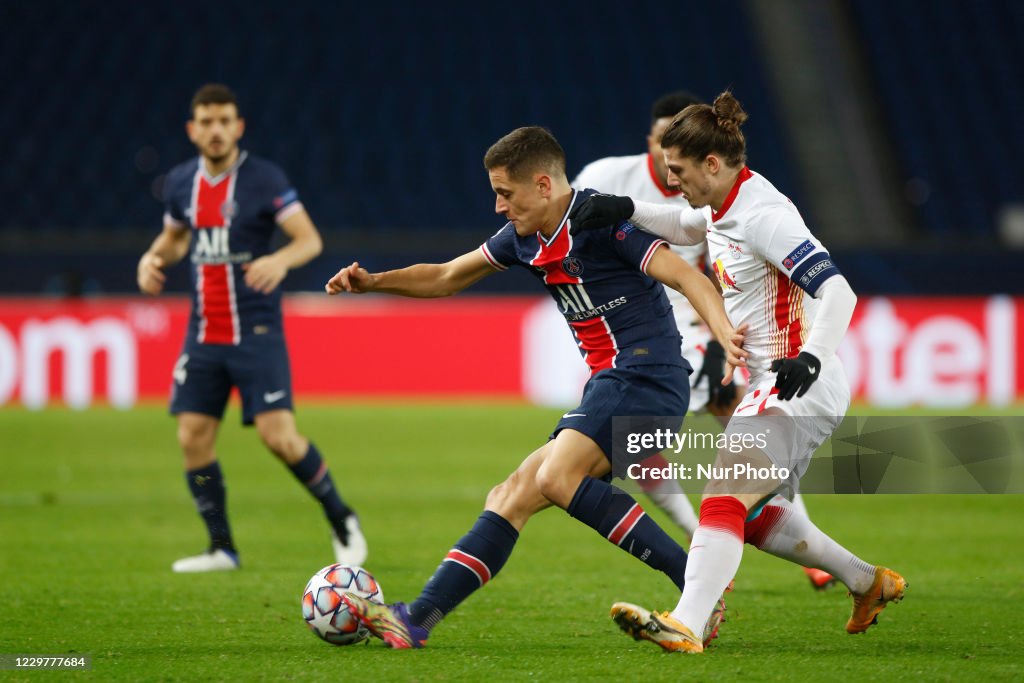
895	127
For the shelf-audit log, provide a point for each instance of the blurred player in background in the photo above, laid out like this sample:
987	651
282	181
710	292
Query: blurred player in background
779	280
223	207
605	283
644	177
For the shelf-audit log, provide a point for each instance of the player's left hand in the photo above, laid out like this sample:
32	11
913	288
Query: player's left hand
720	393
796	375
599	211
264	274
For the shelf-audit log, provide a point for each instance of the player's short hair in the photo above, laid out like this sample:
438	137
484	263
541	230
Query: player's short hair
214	93
701	129
672	103
525	151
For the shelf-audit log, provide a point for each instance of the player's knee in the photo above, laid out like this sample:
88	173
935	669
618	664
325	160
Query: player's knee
194	436
503	495
556	484
289	447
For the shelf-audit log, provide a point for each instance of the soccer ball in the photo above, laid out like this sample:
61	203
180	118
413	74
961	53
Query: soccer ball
322	607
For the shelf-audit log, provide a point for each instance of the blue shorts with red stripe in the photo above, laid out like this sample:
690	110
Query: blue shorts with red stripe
661	392
258	366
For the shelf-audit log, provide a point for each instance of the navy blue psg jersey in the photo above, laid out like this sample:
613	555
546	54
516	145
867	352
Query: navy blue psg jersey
233	217
619	315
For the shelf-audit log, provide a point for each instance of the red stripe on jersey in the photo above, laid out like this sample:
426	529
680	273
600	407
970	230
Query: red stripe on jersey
210	201
594	336
483	574
218	317
596	340
785	318
626	524
217	325
743	177
550	258
665	191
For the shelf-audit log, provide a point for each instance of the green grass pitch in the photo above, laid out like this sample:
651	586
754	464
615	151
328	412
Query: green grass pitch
93	510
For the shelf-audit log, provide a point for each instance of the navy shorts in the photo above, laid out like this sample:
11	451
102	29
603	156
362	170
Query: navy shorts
638	391
258	366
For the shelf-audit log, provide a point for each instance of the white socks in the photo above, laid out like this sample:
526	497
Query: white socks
793	536
715	556
669	496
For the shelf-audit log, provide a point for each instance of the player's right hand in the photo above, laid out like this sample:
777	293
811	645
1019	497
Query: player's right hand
795	375
150	274
599	211
735	354
353	279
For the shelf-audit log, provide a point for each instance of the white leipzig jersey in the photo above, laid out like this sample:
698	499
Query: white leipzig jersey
767	262
634	176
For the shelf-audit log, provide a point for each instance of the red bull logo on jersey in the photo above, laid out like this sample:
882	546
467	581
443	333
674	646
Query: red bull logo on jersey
723	276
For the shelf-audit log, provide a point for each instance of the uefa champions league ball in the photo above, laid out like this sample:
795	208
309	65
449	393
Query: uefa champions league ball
325	612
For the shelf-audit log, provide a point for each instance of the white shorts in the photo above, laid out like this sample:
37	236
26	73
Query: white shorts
790	441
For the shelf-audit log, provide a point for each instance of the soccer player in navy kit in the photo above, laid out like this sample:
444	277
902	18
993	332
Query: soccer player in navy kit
606	284
222	208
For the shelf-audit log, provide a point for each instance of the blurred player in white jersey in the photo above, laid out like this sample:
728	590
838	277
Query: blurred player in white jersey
780	282
644	177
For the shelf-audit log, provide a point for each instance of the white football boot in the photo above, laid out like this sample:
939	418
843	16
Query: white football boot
211	561
355	550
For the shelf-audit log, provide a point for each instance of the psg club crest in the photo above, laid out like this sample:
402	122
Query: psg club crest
229	209
572	266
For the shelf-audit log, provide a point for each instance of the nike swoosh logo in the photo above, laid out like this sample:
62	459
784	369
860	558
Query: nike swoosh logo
574	415
273	396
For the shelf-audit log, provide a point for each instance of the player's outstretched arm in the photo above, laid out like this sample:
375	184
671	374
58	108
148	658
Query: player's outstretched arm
423	280
672	271
169	247
677	225
304	244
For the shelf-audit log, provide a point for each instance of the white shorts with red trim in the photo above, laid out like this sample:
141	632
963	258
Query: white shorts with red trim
791	439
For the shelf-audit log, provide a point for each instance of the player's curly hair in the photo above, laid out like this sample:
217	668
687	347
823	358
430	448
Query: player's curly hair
525	151
701	129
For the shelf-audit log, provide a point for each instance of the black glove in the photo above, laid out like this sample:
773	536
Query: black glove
796	375
714	370
599	211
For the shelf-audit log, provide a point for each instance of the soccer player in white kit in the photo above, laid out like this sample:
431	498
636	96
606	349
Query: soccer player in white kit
780	282
644	177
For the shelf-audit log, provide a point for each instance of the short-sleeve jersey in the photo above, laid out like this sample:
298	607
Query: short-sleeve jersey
634	176
233	217
767	261
618	314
